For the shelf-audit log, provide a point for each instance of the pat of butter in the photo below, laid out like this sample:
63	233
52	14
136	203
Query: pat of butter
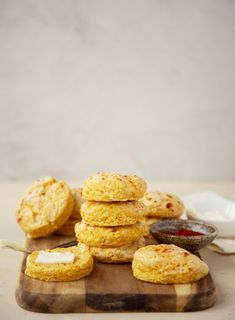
55	257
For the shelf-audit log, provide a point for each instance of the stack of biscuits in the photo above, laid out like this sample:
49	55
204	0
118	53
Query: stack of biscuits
159	206
111	215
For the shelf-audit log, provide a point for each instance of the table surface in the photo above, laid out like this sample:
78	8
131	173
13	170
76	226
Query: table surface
221	267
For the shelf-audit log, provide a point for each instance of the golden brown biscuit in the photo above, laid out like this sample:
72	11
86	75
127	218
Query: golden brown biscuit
108	187
67	228
167	263
108	236
112	213
46	206
147	221
77	195
81	267
162	205
122	254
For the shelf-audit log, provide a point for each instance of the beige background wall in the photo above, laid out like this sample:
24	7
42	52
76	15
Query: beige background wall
146	87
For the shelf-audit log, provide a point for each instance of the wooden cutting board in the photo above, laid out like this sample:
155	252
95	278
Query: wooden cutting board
109	288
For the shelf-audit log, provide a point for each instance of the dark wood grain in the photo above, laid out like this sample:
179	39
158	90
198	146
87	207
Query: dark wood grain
109	288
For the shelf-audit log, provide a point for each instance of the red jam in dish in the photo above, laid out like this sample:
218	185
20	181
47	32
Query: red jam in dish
183	232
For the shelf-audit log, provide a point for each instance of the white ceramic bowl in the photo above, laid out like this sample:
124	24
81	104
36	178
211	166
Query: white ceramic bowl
211	208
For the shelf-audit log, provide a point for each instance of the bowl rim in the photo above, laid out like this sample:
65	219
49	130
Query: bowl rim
214	233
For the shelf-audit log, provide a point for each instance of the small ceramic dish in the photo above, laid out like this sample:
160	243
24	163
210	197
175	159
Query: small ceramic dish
210	207
192	243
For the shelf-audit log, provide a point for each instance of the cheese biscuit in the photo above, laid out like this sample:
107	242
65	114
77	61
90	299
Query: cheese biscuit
108	236
122	254
46	206
79	268
112	213
67	228
167	264
162	205
108	187
147	222
77	196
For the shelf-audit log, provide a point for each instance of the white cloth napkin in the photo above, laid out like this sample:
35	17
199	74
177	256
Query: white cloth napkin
223	246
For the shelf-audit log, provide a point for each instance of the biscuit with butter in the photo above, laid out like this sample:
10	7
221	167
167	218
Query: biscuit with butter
112	213
167	264
80	266
162	205
108	236
108	187
46	206
122	254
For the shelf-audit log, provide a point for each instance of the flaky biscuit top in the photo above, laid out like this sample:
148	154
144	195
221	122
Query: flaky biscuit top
106	186
166	257
162	205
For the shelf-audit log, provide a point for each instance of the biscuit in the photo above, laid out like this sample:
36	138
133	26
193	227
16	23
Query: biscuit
122	254
167	264
81	267
46	206
108	187
67	228
77	195
162	205
112	213
108	236
147	221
